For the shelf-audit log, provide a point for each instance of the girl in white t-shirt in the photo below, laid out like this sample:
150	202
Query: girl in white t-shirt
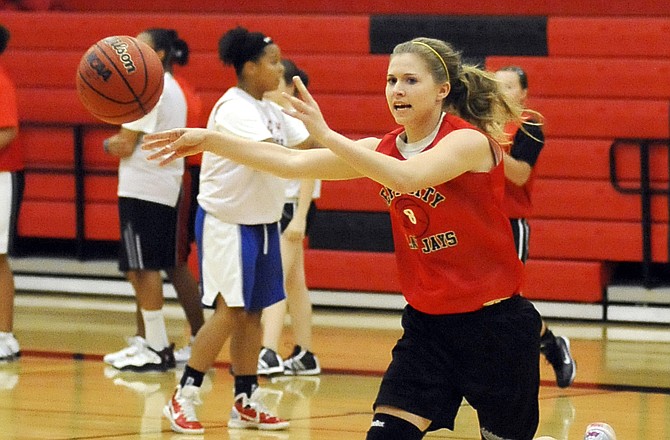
297	216
148	212
238	235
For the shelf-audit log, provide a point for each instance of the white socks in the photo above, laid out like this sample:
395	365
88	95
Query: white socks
154	329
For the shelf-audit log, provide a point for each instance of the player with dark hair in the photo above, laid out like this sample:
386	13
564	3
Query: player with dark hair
11	191
237	233
527	143
175	50
149	199
297	217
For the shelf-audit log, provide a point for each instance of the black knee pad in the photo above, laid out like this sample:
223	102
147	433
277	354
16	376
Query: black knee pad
388	427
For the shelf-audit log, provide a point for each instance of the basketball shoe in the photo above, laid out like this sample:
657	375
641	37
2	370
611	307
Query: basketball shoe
147	359
302	363
9	347
249	413
182	355
599	431
180	410
557	351
269	362
135	344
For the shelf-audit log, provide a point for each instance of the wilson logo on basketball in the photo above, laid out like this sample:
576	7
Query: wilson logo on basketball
98	65
121	48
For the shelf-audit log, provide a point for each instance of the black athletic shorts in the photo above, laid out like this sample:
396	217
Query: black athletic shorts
489	357
148	235
287	215
521	232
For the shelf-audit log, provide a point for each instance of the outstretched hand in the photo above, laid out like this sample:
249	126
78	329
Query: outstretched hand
307	110
168	146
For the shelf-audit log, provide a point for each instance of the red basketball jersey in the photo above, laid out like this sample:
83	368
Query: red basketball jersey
453	243
11	156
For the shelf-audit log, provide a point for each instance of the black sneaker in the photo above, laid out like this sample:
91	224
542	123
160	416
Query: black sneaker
302	363
269	362
558	355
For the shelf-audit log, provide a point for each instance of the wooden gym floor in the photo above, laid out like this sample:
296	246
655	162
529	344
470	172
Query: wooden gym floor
60	388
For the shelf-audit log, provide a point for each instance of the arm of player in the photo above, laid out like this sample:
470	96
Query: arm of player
122	144
295	231
458	152
7	135
517	171
284	162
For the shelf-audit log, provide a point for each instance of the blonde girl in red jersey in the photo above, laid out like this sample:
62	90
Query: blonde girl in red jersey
467	332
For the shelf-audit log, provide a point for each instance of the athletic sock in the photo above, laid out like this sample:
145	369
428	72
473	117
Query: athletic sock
246	384
192	376
547	338
154	329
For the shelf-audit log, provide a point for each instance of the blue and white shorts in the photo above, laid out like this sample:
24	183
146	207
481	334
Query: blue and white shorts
242	263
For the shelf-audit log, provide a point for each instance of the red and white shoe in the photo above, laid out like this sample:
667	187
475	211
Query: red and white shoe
249	413
180	410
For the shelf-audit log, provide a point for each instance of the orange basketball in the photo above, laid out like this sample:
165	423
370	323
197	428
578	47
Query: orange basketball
119	79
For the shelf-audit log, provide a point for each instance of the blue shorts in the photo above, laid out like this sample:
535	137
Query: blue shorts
242	263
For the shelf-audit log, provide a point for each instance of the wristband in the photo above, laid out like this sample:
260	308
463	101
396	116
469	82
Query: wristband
105	145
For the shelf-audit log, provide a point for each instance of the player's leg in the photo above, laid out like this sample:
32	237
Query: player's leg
389	423
269	361
302	360
263	286
9	196
499	369
185	284
188	296
180	409
556	349
147	247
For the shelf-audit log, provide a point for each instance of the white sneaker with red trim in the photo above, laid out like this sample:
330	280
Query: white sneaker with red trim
180	410
249	413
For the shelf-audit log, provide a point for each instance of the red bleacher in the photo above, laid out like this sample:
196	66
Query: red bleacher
325	34
435	7
599	78
610	37
603	79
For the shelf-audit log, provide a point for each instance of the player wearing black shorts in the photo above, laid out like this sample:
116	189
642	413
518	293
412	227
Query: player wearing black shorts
527	143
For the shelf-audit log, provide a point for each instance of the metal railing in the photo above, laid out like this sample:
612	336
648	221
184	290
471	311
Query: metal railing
79	171
645	191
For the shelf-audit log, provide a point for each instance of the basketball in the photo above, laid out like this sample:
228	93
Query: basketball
119	79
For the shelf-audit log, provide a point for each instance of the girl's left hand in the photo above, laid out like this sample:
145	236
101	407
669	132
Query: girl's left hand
170	145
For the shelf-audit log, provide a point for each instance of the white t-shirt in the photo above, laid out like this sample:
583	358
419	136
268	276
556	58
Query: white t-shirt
142	179
235	193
